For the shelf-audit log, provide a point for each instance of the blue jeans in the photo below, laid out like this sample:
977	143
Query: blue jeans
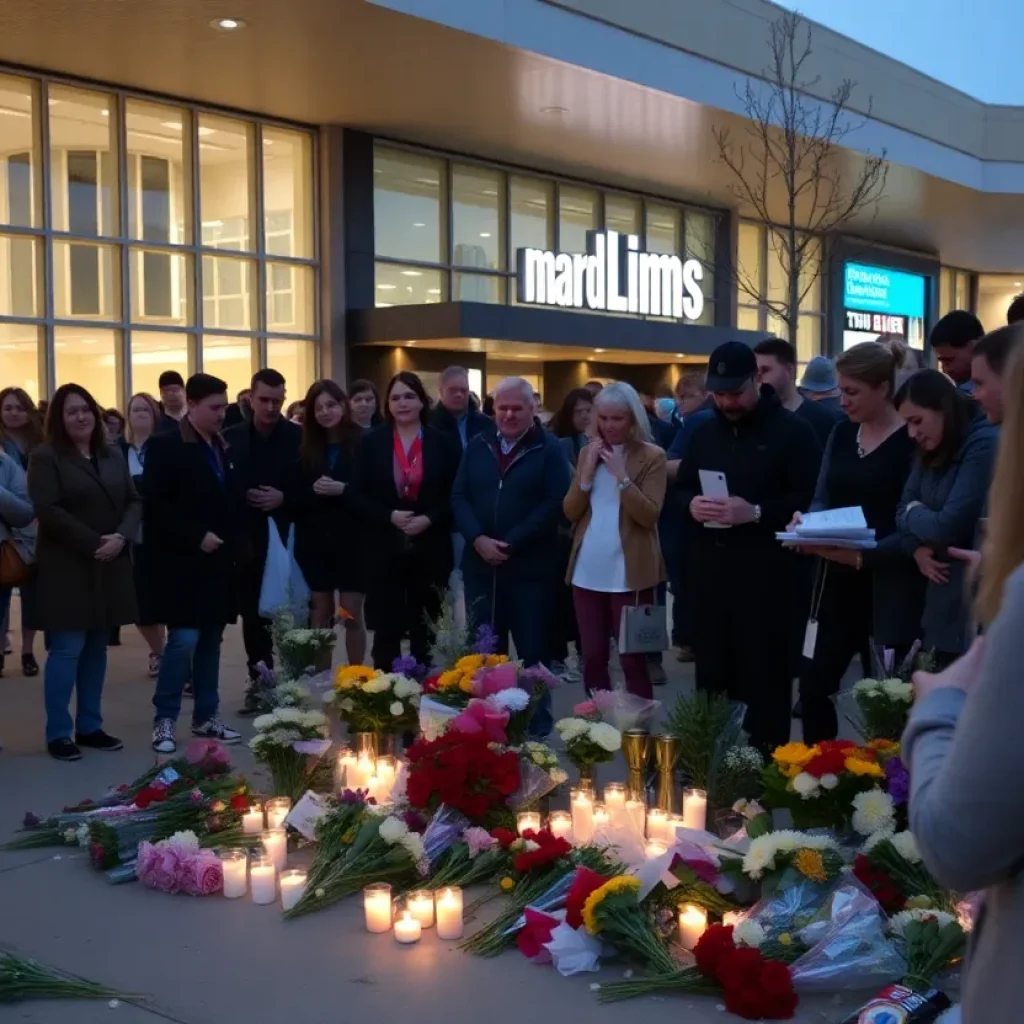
194	652
75	662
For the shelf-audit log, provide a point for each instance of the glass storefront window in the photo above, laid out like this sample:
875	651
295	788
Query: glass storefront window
89	357
226	187
995	293
228	289
700	245
622	214
748	318
664	225
288	192
478	288
19	276
290	298
296	361
408	191
158	189
532	203
231	359
409	286
810	279
20	346
86	281
750	261
152	352
577	214
477	203
19	162
161	287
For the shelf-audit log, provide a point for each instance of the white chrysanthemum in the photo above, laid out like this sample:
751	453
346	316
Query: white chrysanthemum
806	785
748	933
512	700
867	687
264	722
289	716
829	781
347	705
874	840
397	709
906	847
606	736
559	776
898	923
413	843
760	856
378	684
186	840
406	687
392	830
312	719
571	728
529	846
873	812
895	689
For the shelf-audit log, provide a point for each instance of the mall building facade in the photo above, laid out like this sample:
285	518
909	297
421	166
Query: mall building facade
523	187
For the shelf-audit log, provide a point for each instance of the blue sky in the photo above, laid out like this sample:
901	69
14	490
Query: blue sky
973	46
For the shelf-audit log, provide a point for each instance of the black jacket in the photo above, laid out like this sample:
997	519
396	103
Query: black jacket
476	422
770	458
183	501
375	497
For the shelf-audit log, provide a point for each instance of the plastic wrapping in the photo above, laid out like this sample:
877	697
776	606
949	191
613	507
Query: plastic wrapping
848	950
553	899
791	903
534	784
445	829
625	710
435	717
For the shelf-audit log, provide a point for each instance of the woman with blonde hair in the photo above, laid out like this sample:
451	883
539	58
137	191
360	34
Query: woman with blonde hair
614	504
962	745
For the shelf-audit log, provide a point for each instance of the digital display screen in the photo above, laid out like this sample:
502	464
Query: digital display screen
879	302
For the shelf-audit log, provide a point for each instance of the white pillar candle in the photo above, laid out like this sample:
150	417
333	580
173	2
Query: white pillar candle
527	821
360	772
293	885
449	913
693	923
373	788
675	821
275	842
377	907
421	905
657	824
407	929
636	817
615	801
262	879
582	807
560	825
386	772
346	761
277	810
695	809
252	820
234	865
654	848
602	819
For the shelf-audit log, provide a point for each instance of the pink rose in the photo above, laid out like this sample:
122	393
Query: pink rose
494	680
202	875
480	718
200	750
159	868
586	709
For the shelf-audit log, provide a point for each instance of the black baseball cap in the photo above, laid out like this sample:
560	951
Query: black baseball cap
730	367
170	379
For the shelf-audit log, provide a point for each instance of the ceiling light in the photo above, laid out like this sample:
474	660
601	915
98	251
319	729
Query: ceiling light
413	342
599	350
386	287
419	224
227	24
554	109
412	273
485	234
433	291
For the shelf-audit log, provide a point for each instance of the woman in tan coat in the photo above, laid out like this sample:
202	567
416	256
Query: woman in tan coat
614	503
87	508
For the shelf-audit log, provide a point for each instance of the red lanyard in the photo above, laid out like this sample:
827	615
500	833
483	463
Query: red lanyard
410	467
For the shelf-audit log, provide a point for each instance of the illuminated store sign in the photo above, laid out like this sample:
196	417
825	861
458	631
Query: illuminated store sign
613	276
879	302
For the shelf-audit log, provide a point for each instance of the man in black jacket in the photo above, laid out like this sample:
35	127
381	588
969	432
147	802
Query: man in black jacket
267	482
741	574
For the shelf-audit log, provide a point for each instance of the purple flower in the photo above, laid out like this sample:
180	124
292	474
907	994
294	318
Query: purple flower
353	796
195	797
486	640
30	820
414	822
898	780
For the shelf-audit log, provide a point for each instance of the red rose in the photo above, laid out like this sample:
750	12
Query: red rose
144	797
882	885
715	944
504	836
534	934
755	988
430	683
240	802
584	883
828	762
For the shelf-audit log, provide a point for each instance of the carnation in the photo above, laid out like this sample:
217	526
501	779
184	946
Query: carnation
393	830
571	728
510	700
376	685
829	781
607	737
806	785
748	933
906	847
873	811
898	923
874	840
898	690
397	709
186	840
406	687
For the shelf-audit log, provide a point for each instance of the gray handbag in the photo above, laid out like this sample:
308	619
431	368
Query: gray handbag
643	628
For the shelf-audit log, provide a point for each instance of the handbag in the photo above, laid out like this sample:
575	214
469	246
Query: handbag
643	628
13	568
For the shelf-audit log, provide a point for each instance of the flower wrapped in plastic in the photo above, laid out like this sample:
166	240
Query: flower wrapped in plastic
291	744
475	857
929	941
621	709
534	784
445	828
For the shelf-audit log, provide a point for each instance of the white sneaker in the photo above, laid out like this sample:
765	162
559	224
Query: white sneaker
163	736
214	729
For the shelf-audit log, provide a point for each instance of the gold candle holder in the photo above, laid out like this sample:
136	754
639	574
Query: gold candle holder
666	756
636	748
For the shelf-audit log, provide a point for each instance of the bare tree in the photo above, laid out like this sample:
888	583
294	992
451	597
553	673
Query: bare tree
791	154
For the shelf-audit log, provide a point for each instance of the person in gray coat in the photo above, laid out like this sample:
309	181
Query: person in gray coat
943	501
17	527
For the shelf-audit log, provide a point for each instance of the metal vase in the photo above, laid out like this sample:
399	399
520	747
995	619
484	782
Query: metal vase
666	756
366	743
636	748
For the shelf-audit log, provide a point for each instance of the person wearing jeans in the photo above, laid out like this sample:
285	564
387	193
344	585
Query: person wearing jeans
614	503
195	653
76	663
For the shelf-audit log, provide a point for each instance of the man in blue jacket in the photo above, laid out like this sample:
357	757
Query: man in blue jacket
507	503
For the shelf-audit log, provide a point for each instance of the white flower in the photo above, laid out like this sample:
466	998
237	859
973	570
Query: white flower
559	776
82	835
873	812
606	736
874	840
311	719
406	687
763	851
571	728
263	722
70	836
829	781
397	709
510	700
759	857
898	923
748	808
529	846
378	684
413	844
346	705
748	933
806	785
906	847
186	840
393	830
897	690
867	687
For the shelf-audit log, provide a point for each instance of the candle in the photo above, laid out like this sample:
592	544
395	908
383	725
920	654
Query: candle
582	805
345	763
695	809
373	788
262	878
560	825
675	821
657	824
602	819
407	929
615	801
377	907
528	821
252	820
421	905
654	848
449	913
234	864
636	815
732	917
693	923
277	810
275	842
386	772
358	773
293	885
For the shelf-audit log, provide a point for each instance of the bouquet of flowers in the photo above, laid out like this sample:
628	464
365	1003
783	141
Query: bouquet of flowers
588	743
779	860
291	743
335	832
614	913
451	638
179	864
541	755
371	701
268	692
930	940
706	725
454	686
693	878
474	858
878	708
22	979
890	866
302	649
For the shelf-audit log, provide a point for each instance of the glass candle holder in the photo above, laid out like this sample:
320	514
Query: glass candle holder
234	866
262	878
387	771
407	929
657	824
293	885
275	843
560	824
448	905
636	816
420	904
345	760
528	820
602	816
581	804
277	810
693	923
252	820
654	848
377	907
695	809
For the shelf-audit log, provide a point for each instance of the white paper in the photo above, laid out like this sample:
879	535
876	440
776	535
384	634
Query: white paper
798	540
434	717
306	813
810	639
835	522
573	951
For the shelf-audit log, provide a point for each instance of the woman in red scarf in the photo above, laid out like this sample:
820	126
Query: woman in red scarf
402	487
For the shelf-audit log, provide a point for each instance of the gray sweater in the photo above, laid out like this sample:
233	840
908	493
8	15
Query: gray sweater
17	517
966	762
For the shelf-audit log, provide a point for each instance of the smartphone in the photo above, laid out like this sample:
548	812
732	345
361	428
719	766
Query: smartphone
713	485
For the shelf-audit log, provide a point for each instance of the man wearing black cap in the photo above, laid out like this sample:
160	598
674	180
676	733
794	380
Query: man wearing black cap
189	525
172	400
740	574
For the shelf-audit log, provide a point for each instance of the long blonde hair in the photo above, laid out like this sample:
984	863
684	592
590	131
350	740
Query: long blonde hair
1003	548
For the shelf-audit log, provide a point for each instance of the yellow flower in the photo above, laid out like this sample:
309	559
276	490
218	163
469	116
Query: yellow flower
620	883
348	837
494	660
466	684
785	939
450	680
794	754
884	746
791	771
470	663
919	903
811	865
507	884
349	676
858	766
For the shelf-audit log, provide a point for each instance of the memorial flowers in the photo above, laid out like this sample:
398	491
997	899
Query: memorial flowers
291	743
930	940
179	864
370	701
588	743
883	706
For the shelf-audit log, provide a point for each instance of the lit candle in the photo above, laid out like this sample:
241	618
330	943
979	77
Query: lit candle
693	923
275	842
377	907
528	820
252	820
421	905
407	929
615	801
636	815
360	772
449	913
657	824
654	848
695	809
293	885
262	878
277	810
674	821
386	772
373	788
582	805
732	917
234	864
602	818
560	825
345	763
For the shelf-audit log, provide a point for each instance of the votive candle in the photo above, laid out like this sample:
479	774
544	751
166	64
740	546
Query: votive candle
602	817
615	801
262	878
234	866
449	913
360	773
657	824
275	842
387	770
373	788
582	806
732	918
695	809
252	820
293	885
654	848
343	769
560	824
527	820
636	814
675	821
407	929
277	810
693	923
421	905
377	907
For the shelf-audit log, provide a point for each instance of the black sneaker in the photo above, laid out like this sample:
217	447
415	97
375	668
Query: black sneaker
64	750
29	665
214	729
98	740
